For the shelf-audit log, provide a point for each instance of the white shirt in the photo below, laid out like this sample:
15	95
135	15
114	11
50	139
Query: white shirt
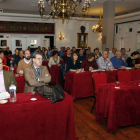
2	85
111	55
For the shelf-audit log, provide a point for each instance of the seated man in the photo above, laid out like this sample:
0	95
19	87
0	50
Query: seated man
112	54
6	77
7	52
24	63
118	61
123	53
19	57
36	75
68	56
61	52
15	55
96	54
81	55
89	50
103	60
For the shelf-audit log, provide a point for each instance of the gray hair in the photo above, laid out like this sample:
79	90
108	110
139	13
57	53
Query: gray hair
105	51
118	52
37	53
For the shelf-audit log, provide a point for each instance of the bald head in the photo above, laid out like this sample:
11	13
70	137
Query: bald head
105	54
21	53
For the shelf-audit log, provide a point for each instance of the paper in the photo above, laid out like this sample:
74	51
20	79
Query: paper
4	95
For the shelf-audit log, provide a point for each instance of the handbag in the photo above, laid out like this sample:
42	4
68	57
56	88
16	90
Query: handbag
54	93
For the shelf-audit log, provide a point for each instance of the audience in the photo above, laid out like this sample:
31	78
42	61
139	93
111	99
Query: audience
107	49
61	52
112	54
29	48
36	50
39	50
6	77
81	55
99	52
36	75
68	56
123	53
54	60
133	60
103	60
66	51
73	64
118	61
84	52
19	57
73	49
24	63
89	63
7	52
45	55
89	50
96	54
0	49
49	50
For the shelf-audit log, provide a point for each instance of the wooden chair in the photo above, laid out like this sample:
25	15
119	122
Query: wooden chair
98	78
6	68
124	76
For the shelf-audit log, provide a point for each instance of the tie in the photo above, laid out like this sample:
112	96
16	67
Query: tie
37	70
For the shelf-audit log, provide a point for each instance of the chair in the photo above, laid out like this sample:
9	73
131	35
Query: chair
139	60
135	74
98	78
124	76
6	68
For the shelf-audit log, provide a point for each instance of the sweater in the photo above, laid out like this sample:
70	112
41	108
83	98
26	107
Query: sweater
22	65
86	64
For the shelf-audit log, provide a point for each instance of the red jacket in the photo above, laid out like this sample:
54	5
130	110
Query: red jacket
4	60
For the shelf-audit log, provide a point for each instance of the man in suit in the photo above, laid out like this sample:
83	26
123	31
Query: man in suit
36	75
6	77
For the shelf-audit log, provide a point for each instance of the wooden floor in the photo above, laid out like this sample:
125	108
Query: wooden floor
88	129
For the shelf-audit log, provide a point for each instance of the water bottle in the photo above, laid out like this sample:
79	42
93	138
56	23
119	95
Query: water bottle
11	67
108	65
12	90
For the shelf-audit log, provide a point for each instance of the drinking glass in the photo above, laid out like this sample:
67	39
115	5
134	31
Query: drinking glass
33	96
117	84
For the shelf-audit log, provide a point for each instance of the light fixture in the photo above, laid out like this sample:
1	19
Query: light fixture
61	37
98	28
101	37
63	9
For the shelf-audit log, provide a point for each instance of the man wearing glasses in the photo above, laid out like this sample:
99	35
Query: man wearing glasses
6	77
36	75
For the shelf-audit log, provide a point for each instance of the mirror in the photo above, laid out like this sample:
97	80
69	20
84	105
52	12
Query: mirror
82	40
18	43
3	42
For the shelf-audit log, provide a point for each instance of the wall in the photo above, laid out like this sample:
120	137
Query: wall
69	29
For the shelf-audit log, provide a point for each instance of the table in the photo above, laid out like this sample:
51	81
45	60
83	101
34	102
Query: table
119	107
37	120
81	84
20	82
54	72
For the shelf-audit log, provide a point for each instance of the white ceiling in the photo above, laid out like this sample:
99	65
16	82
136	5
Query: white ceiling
31	6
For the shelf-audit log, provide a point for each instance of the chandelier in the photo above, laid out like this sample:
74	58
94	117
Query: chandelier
63	9
98	28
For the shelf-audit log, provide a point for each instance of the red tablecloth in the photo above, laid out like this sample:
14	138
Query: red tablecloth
79	84
119	107
15	69
54	72
20	82
37	120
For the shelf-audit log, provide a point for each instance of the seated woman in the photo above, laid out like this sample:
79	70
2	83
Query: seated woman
54	60
133	60
73	64
45	55
89	63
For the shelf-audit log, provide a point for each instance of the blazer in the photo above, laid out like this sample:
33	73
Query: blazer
8	78
30	76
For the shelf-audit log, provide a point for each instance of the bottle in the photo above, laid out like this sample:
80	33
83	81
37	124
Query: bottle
108	65
11	67
12	90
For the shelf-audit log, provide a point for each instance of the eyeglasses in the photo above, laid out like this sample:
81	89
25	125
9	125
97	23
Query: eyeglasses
40	59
